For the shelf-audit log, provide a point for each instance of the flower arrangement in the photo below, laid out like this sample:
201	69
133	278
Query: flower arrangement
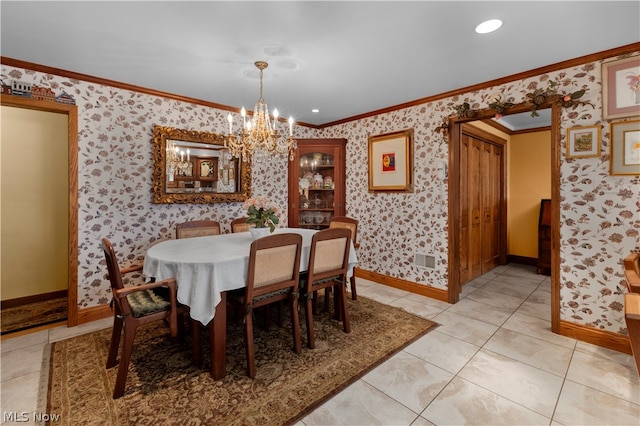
262	212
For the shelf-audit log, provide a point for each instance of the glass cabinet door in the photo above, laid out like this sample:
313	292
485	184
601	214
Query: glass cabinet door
316	190
317	183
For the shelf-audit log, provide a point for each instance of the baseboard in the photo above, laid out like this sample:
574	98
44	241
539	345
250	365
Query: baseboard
410	286
94	313
522	260
19	301
606	339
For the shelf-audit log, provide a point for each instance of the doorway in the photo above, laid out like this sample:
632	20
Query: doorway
64	206
455	209
482	202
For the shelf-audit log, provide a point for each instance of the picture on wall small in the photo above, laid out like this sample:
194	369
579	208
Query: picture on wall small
583	142
625	148
391	162
621	88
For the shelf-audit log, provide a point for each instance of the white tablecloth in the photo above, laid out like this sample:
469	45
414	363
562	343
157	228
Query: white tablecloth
206	266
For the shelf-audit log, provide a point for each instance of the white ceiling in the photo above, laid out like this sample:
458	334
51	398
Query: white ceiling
344	58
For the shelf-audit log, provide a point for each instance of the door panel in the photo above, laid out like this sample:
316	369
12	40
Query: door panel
481	199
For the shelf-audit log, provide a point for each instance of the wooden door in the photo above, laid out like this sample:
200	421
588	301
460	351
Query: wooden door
481	201
491	165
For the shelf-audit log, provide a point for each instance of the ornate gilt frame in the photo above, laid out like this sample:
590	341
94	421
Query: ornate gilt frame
160	195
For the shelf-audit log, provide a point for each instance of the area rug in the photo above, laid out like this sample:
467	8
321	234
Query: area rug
32	315
164	387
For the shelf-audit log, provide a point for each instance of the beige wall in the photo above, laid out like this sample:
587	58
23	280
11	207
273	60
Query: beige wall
34	202
529	157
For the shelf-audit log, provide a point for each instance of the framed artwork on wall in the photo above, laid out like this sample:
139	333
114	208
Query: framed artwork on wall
621	88
625	148
583	142
391	162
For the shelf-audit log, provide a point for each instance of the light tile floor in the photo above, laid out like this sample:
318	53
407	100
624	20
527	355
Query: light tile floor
493	360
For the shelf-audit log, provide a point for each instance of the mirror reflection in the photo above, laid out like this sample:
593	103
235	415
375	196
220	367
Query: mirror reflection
195	167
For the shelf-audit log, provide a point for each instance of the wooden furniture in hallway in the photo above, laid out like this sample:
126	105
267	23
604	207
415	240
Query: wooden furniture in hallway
544	238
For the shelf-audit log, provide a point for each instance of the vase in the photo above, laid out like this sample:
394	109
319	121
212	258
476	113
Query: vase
259	232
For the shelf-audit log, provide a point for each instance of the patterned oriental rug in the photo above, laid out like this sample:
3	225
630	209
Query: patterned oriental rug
164	387
33	315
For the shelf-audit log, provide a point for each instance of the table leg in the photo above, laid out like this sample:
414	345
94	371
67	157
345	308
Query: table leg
218	336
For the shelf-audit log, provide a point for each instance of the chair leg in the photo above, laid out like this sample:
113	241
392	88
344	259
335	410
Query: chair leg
337	312
346	326
125	358
248	339
280	313
311	338
115	341
327	298
354	295
295	323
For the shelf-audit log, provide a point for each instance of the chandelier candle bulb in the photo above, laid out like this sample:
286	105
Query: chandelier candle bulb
290	126
188	153
230	120
275	118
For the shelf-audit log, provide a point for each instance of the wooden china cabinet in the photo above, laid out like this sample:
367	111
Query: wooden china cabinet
317	183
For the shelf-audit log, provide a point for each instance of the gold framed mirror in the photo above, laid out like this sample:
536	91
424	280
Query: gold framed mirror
193	167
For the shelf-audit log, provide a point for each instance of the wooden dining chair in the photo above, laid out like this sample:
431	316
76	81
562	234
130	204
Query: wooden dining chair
197	228
328	264
273	276
351	225
136	306
240	225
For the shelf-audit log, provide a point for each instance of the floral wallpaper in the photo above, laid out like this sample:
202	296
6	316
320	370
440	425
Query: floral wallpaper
600	214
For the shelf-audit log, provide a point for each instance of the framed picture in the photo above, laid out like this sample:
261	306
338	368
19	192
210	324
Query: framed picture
583	142
208	168
625	148
391	162
621	88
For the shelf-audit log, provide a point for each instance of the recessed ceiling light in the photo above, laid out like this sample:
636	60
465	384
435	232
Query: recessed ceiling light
488	26
315	110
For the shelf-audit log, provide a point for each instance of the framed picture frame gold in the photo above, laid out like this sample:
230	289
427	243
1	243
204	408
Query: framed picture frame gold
391	162
621	88
583	142
625	148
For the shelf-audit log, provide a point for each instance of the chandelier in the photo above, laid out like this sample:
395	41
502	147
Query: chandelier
176	165
259	138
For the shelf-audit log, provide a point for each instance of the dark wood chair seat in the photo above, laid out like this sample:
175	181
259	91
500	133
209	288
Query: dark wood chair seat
136	306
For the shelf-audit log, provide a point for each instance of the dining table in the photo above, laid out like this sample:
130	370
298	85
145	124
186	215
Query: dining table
206	268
